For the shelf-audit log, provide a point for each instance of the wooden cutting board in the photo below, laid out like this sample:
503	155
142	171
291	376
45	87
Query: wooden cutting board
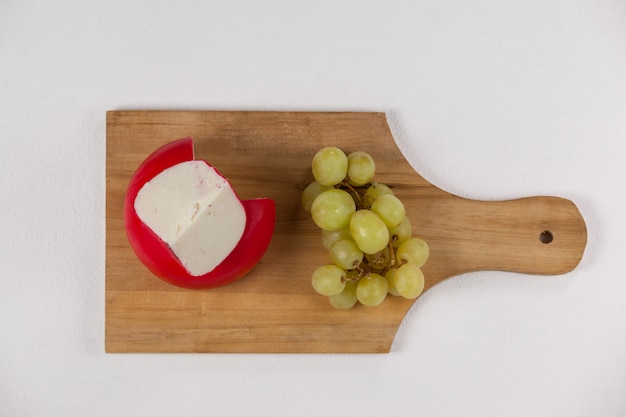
274	308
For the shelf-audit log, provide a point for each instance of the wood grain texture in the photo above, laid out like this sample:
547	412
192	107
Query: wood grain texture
274	308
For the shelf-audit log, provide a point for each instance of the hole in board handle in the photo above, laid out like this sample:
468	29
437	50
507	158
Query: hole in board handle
546	236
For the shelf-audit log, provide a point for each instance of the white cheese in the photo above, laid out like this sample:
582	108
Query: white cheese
195	211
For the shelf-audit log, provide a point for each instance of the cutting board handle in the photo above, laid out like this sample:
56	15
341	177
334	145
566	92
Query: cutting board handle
534	235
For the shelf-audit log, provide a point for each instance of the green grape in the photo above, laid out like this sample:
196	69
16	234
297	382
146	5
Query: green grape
414	251
408	281
368	231
328	280
361	168
372	290
375	191
390	209
401	233
310	193
329	166
331	236
346	254
332	209
346	299
390	283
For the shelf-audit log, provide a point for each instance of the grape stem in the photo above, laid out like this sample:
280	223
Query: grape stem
392	253
362	271
367	266
353	190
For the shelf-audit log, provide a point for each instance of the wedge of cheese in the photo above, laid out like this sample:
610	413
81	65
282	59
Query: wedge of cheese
193	209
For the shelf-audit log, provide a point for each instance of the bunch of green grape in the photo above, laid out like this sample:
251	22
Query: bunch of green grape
366	230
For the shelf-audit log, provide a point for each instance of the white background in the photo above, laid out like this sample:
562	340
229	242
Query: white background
487	99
